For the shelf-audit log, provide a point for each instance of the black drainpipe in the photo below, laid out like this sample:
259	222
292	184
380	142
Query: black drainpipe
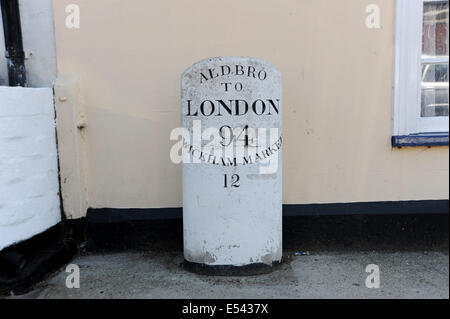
13	42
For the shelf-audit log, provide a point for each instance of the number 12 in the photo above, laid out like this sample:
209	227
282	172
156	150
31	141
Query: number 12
234	181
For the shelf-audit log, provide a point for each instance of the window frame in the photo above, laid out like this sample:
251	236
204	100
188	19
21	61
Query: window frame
407	120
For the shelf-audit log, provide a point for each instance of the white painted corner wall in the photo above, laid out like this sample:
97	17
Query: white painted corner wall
72	145
29	187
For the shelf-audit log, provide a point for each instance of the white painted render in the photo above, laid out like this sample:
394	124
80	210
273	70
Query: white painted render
29	201
71	146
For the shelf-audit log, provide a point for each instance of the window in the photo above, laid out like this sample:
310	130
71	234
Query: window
421	82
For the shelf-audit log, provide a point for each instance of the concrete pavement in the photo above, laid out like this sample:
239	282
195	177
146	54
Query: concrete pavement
326	257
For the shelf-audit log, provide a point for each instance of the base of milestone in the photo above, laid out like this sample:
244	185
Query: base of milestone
230	270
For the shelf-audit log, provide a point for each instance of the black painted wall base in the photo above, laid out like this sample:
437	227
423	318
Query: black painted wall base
24	264
229	270
123	215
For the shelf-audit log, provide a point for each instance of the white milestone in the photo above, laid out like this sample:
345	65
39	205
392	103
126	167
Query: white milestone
232	165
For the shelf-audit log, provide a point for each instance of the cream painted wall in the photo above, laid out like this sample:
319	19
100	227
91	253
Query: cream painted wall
129	56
